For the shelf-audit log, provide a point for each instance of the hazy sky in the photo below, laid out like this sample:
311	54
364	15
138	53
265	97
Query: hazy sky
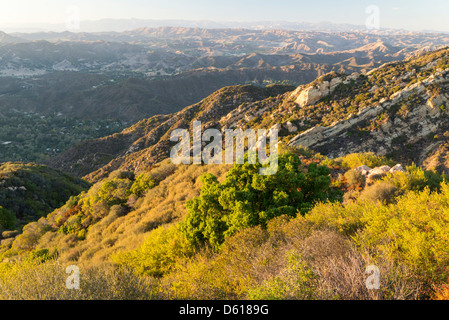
403	14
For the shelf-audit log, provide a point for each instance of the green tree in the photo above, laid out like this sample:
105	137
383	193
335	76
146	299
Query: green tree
7	219
247	199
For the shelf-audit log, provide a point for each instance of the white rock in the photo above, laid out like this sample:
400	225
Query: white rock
290	127
385	168
365	170
397	168
309	96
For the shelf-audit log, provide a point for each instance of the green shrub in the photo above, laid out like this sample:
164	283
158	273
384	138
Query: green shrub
247	199
7	219
415	179
143	183
114	191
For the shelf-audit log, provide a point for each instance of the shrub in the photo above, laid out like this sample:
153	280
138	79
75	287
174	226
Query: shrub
114	191
415	179
355	179
7	219
143	183
369	159
296	281
247	199
413	231
383	192
158	254
34	280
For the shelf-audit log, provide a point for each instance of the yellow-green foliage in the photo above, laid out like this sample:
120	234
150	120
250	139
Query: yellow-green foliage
383	192
159	253
415	179
297	281
412	231
369	159
321	255
289	260
32	279
144	182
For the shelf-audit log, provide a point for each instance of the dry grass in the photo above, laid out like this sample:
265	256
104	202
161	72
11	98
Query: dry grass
120	230
47	281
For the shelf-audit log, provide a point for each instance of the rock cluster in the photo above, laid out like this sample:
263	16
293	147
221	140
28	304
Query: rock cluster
378	172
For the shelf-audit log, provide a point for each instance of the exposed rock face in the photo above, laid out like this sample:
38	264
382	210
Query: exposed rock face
311	95
315	92
417	125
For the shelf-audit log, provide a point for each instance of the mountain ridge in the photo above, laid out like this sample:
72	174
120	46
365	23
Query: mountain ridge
391	110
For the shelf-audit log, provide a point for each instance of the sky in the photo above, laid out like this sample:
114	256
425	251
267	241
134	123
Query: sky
398	14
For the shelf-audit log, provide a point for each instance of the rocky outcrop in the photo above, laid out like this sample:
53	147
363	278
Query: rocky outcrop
317	90
422	121
378	172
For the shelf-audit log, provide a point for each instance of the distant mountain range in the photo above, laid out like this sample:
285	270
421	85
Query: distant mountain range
136	74
6	38
120	25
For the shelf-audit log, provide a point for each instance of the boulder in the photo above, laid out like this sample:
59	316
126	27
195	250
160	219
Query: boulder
397	168
384	168
377	174
363	169
309	96
291	127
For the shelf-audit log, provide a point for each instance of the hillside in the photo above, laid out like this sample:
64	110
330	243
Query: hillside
148	141
308	231
30	191
397	110
290	230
